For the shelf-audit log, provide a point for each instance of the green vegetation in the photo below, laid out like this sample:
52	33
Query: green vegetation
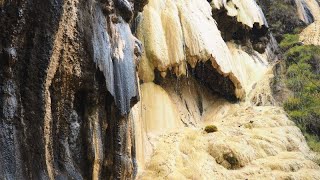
211	128
303	79
302	68
289	41
313	142
282	17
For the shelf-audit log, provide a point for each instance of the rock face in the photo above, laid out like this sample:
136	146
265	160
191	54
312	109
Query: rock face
311	34
246	12
254	138
250	143
304	10
60	117
82	98
177	33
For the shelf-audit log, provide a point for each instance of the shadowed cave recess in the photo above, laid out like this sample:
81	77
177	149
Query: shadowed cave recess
86	87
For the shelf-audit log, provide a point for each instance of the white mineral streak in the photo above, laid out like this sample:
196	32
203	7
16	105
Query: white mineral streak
311	34
159	108
246	11
154	113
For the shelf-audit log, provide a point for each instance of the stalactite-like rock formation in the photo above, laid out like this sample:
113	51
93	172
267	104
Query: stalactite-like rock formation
183	65
67	83
181	33
82	98
246	12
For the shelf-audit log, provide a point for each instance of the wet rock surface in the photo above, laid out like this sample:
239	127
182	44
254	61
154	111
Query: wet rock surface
67	83
70	106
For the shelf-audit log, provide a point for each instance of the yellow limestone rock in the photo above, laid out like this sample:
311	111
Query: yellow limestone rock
251	68
305	7
183	31
162	109
246	11
161	34
311	34
152	115
190	99
251	143
261	93
157	108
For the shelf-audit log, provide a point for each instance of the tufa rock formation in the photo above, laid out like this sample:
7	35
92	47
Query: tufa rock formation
123	89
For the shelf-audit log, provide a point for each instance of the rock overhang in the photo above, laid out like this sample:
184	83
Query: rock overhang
181	34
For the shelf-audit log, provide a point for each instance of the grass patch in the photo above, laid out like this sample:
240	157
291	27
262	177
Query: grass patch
313	142
289	41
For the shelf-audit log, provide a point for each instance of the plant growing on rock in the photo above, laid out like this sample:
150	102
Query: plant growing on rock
303	79
211	129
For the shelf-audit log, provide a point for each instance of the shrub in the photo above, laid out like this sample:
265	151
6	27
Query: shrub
281	16
299	116
304	54
211	128
313	142
292	103
289	41
303	79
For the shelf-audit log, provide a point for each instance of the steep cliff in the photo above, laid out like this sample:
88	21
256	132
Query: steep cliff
311	34
123	89
60	117
187	87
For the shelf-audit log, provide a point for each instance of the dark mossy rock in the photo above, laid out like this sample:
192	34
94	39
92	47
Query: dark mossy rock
232	160
211	129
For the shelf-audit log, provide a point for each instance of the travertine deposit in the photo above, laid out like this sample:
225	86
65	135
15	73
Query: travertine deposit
123	89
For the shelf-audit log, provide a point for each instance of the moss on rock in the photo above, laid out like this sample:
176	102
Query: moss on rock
211	129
